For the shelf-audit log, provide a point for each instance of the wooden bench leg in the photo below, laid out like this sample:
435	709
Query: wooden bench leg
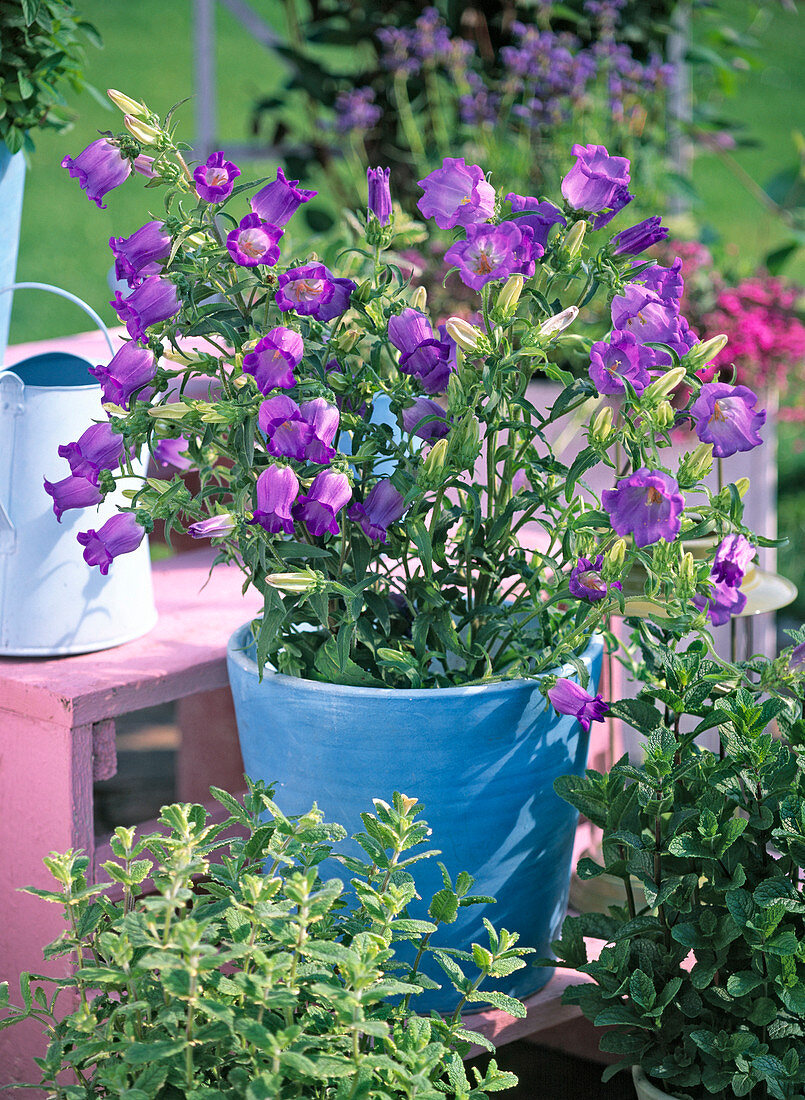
209	752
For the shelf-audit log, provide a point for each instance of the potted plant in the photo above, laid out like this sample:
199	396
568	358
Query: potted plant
699	983
227	968
41	56
433	577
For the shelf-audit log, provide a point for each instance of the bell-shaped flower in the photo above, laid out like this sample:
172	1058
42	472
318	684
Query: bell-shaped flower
141	254
633	241
154	300
277	489
254	242
422	354
611	363
647	505
540	217
568	697
586	582
725	416
597	183
323	419
274	359
96	449
121	534
215	179
173	453
318	509
214	527
492	252
286	428
313	291
383	506
98	169
379	194
418	420
278	201
72	492
733	558
456	194
131	368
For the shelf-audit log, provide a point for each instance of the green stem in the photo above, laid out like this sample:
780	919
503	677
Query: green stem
406	115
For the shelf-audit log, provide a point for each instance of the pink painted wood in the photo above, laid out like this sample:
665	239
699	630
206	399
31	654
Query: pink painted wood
56	730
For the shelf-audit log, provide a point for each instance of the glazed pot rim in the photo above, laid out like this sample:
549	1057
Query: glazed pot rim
643	1081
237	654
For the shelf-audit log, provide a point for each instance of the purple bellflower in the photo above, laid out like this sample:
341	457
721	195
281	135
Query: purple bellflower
647	504
278	201
323	419
254	242
144	165
796	661
96	449
215	179
379	201
647	316
492	252
633	241
98	169
277	489
666	282
287	430
597	183
732	560
586	582
313	291
173	452
319	508
141	254
215	527
456	194
568	697
382	507
72	492
121	534
154	300
538	216
131	368
274	359
611	363
725	416
422	355
413	416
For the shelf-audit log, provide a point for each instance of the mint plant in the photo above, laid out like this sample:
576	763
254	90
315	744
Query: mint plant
244	975
704	985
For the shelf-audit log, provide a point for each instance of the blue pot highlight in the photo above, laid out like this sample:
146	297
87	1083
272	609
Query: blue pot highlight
481	759
12	182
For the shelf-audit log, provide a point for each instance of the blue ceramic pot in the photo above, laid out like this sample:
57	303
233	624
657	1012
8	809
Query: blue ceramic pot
482	761
12	182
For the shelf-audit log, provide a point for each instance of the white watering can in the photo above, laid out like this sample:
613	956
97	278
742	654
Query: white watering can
51	601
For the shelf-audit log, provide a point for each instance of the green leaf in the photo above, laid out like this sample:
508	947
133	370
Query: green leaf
138	1054
785	943
501	1001
638	713
444	907
738	985
641	989
329	669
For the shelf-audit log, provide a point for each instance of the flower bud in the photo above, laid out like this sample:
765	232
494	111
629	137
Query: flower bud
456	398
703	353
742	485
364	291
695	466
143	131
614	559
419	299
559	322
465	441
573	241
293	582
346	341
687	574
126	104
663	415
431	471
665	384
510	295
601	428
174	411
467	336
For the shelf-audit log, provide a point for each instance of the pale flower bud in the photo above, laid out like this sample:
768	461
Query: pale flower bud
432	468
701	354
465	335
742	485
174	411
292	582
665	384
419	299
616	554
559	322
143	131
126	104
510	295
347	340
573	241
601	428
696	465
664	415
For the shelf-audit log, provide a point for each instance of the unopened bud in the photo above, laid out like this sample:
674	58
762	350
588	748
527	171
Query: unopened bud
456	399
346	341
213	415
687	573
195	239
432	469
559	322
703	353
601	428
616	555
174	411
143	131
573	241
510	295
292	582
663	415
465	440
126	104
419	299
665	384
363	292
467	336
742	485
695	466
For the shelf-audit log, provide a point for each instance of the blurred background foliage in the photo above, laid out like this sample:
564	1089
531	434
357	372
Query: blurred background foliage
741	194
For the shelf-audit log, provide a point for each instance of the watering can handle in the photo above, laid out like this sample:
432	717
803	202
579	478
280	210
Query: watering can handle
70	298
